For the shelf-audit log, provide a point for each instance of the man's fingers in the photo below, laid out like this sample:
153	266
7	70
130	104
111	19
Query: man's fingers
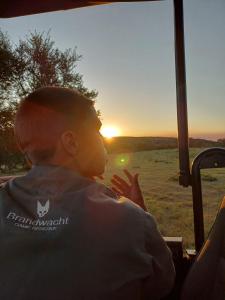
136	178
121	181
223	203
120	186
116	191
129	176
132	178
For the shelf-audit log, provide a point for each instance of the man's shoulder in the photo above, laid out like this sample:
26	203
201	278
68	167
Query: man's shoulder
101	199
101	194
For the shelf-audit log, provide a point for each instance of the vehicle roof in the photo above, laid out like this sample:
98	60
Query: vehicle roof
16	8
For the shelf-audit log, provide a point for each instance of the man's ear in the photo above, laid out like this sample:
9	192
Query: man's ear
69	142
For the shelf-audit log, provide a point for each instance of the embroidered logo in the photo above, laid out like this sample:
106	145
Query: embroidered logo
42	210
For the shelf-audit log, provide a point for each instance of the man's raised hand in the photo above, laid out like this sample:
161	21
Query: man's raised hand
129	189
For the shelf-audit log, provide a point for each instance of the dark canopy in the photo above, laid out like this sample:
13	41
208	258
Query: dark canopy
15	8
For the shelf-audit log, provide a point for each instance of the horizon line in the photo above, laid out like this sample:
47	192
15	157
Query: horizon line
208	138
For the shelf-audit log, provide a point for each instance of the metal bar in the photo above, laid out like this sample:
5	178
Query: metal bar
182	116
207	159
197	206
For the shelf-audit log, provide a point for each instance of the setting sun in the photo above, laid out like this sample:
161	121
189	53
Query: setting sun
109	132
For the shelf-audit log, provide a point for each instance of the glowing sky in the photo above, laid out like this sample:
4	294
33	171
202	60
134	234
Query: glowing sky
128	57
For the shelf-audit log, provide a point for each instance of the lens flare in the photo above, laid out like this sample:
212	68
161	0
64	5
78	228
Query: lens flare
122	160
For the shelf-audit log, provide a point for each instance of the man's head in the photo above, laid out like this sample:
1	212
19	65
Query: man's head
60	126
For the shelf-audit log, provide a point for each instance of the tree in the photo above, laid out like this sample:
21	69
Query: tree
8	68
9	154
36	62
32	63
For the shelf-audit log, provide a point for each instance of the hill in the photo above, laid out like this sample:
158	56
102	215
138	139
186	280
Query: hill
136	144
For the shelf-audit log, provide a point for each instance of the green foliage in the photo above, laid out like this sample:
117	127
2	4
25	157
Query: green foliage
9	67
10	157
36	62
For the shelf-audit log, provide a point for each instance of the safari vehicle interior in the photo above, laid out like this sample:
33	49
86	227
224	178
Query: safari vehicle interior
189	173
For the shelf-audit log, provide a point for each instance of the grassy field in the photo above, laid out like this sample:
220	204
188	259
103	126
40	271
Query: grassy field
170	203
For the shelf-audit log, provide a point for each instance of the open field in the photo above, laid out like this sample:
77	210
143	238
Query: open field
170	203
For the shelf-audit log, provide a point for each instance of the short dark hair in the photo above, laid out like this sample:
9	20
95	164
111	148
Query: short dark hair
42	117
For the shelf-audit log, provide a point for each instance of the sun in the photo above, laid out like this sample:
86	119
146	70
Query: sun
109	132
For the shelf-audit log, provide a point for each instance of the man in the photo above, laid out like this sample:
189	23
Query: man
63	235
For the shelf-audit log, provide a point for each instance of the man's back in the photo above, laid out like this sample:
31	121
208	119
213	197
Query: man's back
64	236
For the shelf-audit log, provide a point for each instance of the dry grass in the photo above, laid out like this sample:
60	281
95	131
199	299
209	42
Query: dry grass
170	203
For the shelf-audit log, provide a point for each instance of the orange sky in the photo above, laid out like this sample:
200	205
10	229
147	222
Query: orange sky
128	57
